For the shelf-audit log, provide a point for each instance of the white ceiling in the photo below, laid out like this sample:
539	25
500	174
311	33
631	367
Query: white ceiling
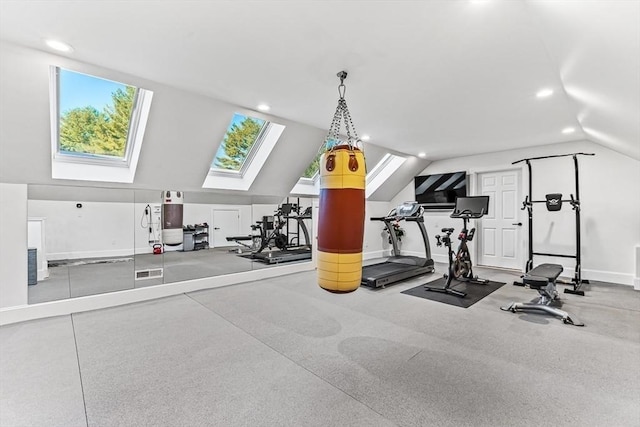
450	78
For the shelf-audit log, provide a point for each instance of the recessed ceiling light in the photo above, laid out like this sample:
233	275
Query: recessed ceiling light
568	130
365	137
58	45
263	107
544	93
422	154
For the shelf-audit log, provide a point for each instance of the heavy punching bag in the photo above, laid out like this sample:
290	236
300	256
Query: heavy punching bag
342	201
172	209
341	219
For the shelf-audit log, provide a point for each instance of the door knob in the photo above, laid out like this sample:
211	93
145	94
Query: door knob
216	228
519	224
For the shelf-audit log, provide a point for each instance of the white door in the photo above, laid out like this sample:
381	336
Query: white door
226	223
500	231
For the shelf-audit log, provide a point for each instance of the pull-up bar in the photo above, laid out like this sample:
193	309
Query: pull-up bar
555	155
577	280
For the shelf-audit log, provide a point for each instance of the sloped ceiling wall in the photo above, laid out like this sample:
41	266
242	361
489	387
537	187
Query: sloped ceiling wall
182	135
463	72
598	65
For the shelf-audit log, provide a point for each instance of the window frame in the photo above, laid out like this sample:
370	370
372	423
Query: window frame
98	167
255	148
262	148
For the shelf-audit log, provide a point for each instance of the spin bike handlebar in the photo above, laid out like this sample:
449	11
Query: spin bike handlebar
466	213
446	240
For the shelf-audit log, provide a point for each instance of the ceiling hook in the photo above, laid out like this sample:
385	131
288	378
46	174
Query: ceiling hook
342	89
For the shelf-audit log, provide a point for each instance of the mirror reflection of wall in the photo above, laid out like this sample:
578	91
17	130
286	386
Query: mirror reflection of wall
88	239
91	240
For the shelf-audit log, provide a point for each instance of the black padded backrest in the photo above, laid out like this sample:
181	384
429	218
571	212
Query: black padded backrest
554	201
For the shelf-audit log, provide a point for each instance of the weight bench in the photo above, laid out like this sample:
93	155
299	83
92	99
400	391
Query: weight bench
543	279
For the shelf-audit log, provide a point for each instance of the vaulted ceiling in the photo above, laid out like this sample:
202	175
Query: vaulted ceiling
448	78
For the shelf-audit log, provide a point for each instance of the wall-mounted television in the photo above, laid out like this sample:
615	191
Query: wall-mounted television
439	191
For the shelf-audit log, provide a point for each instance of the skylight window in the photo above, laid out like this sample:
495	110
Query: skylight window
243	151
311	172
98	123
242	139
382	171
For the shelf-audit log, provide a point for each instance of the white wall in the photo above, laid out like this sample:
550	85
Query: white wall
105	229
375	243
98	229
609	198
13	245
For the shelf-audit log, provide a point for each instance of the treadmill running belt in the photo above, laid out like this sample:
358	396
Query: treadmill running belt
377	270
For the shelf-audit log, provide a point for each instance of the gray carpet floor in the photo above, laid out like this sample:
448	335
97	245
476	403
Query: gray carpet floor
283	352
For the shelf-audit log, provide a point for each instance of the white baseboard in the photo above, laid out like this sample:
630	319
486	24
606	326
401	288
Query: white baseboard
95	302
609	276
373	255
440	258
59	256
43	274
636	283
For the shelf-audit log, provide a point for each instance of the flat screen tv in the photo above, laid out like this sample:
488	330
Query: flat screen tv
439	191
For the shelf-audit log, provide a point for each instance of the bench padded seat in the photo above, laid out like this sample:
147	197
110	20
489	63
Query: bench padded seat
541	275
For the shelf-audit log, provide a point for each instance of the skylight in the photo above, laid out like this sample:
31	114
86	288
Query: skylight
97	127
242	139
311	172
308	184
382	171
247	143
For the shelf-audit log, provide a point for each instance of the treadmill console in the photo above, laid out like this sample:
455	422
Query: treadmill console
407	209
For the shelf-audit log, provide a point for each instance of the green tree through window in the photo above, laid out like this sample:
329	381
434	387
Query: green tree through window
238	142
88	130
313	168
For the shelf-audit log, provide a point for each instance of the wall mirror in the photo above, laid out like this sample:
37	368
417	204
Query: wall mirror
92	240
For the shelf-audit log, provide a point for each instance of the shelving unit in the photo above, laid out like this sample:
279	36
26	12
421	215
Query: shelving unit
195	237
201	237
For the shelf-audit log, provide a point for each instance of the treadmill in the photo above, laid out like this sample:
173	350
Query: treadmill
398	267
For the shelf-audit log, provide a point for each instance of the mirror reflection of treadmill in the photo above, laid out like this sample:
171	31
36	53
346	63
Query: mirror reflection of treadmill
399	267
299	252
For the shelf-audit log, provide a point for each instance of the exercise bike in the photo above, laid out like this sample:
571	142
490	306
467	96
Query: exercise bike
460	265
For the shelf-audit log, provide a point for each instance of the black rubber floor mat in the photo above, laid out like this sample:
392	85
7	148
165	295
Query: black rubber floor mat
475	292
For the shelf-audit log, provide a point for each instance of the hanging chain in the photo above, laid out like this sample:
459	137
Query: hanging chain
342	114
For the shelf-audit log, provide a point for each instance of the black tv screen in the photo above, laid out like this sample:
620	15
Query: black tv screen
439	191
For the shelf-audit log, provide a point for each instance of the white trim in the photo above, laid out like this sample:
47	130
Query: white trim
119	253
442	258
95	302
607	276
305	188
382	171
373	255
41	245
86	170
